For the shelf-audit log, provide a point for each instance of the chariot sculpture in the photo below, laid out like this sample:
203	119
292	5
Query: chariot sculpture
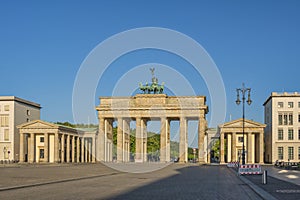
154	87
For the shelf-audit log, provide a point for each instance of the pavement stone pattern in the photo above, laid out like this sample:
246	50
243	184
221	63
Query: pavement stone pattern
280	189
96	181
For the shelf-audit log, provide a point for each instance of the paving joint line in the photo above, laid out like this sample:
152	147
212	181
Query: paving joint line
57	181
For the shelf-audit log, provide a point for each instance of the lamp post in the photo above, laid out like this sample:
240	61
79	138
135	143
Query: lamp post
243	91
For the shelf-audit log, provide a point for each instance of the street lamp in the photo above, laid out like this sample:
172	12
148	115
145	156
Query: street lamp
243	91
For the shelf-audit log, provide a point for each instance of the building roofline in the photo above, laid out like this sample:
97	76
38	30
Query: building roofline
14	98
282	94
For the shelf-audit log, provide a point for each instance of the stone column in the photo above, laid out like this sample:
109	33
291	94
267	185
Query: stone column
93	146
138	141
82	149
183	140
62	148
261	147
68	148
249	148
144	139
56	147
127	139
77	149
32	148
229	147
46	147
222	160
120	146
21	156
163	139
168	150
101	140
86	147
73	149
234	146
201	134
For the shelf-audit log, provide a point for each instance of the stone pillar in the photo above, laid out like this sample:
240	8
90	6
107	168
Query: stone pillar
261	147
68	148
249	148
82	149
163	139
229	147
138	141
62	148
120	146
56	147
73	149
21	156
127	140
46	147
86	147
222	160
101	140
77	149
183	140
234	146
201	134
32	148
168	147
144	139
93	146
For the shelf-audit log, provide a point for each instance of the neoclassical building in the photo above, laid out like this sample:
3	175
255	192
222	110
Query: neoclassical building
142	108
42	141
231	145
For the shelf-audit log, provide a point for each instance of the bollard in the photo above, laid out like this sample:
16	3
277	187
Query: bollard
264	177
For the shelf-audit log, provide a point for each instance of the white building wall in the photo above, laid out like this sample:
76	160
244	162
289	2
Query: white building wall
272	110
17	115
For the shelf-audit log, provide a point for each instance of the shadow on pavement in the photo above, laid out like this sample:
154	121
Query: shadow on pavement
194	182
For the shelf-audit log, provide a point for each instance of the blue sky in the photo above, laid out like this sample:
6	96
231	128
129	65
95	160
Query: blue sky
43	44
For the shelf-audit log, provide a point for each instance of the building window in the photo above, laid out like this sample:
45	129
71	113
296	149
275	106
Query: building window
291	153
4	122
280	153
42	153
6	108
299	134
298	117
291	134
280	104
290	104
299	153
299	104
42	139
240	139
6	135
290	119
28	112
280	119
285	119
280	134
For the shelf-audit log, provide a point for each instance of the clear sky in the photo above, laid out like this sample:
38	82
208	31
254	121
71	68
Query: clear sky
44	43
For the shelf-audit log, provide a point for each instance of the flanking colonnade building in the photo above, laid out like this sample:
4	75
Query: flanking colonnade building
42	141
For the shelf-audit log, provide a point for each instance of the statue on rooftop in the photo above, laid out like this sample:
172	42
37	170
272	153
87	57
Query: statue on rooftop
154	88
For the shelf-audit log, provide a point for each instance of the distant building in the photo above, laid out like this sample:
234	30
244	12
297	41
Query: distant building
282	134
14	111
211	137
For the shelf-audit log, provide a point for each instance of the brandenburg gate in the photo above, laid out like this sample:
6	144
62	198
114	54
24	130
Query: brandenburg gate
152	104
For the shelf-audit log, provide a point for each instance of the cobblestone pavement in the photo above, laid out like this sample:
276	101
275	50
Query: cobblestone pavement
96	181
281	184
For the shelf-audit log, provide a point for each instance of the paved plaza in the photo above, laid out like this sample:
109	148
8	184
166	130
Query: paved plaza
97	181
